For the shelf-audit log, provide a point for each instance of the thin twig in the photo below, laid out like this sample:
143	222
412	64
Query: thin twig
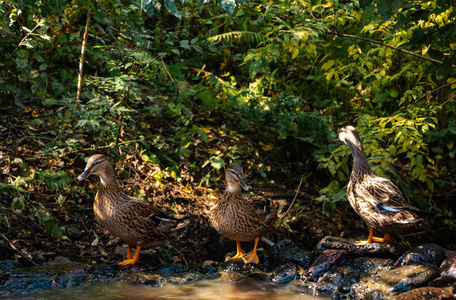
81	62
294	199
372	41
18	251
29	33
388	46
282	196
430	92
166	69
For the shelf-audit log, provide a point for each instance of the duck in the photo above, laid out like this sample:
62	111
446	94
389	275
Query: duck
138	223
375	199
240	218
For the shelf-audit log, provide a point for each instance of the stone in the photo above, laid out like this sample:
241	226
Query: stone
208	267
330	281
428	253
373	249
238	266
285	273
367	264
428	292
323	263
447	272
394	281
286	251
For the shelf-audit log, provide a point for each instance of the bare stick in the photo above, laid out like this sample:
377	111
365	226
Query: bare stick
81	62
18	250
388	46
294	199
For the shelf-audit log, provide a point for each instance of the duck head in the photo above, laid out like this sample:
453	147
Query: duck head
98	164
234	177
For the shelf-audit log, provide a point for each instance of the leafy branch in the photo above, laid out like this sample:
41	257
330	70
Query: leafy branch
388	46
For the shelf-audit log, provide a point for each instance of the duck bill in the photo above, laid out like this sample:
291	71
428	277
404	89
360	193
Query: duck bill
244	185
84	175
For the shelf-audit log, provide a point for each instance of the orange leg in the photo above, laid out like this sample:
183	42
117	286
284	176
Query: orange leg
373	238
129	253
252	257
381	240
131	260
239	251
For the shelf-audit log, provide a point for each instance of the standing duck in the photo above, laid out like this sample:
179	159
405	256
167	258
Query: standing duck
375	199
239	218
136	222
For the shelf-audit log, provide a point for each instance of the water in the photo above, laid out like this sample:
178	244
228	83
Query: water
203	290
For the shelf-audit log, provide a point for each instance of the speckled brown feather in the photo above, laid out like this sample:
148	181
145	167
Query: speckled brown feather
239	218
368	192
134	221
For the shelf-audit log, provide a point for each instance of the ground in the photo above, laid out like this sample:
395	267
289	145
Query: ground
66	213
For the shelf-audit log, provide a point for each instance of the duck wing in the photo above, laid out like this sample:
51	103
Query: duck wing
151	215
385	196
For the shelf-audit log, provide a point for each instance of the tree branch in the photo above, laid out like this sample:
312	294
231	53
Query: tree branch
386	45
81	63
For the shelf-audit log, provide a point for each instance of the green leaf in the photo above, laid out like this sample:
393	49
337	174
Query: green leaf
365	3
393	93
18	203
53	229
171	7
151	7
184	44
198	49
327	65
228	6
254	68
217	163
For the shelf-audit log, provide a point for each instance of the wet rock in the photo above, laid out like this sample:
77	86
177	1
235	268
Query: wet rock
349	280
424	293
105	272
238	266
7	265
367	264
374	249
34	279
323	262
82	269
428	253
232	276
308	288
329	282
208	267
171	269
288	252
285	273
391	282
447	272
259	277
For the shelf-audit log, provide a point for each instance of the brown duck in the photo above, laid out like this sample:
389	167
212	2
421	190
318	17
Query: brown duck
375	199
136	222
239	218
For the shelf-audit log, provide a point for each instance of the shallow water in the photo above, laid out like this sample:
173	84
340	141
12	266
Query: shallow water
207	290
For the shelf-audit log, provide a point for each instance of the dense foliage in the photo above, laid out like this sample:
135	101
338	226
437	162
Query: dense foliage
190	88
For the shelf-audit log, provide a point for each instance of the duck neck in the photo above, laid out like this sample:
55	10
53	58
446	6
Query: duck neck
232	188
360	164
108	178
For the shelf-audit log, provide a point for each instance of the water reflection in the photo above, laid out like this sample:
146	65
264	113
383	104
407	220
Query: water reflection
207	290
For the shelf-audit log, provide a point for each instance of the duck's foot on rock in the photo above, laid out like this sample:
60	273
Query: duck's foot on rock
371	249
